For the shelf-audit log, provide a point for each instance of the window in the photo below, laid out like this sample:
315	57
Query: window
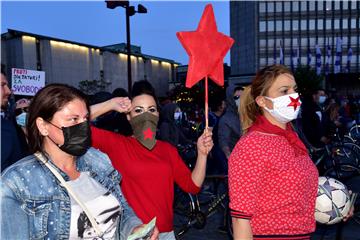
344	23
345	41
320	5
337	5
270	26
312	24
320	24
263	61
353	5
287	25
287	42
270	7
295	25
345	5
303	5
287	61
271	43
286	6
353	23
262	43
336	24
328	5
303	60
303	24
262	7
304	42
262	26
278	7
320	41
312	41
312	5
278	25
353	41
295	43
295	6
328	24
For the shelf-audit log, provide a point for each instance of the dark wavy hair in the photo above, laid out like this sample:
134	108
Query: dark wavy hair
45	104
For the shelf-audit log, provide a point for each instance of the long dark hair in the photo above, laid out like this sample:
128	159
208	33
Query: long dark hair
45	104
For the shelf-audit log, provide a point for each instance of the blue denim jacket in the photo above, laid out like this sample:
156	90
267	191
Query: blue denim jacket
35	206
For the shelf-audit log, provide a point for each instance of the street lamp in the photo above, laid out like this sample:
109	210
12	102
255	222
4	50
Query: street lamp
130	11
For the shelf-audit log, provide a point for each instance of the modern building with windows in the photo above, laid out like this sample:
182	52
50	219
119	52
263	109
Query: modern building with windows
326	33
70	62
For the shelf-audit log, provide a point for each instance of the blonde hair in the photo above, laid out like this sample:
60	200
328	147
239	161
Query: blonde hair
260	85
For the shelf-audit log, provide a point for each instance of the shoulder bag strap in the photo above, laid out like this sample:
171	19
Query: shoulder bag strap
71	192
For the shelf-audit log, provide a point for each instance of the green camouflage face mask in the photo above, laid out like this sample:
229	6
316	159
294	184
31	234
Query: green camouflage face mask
144	128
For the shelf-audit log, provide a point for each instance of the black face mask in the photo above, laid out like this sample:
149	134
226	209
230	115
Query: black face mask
77	138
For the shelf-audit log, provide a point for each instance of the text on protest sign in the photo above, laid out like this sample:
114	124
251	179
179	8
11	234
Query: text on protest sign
27	82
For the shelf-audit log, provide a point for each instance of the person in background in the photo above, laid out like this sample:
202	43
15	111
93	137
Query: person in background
272	181
36	204
217	163
150	167
21	111
229	124
312	118
332	122
12	149
170	126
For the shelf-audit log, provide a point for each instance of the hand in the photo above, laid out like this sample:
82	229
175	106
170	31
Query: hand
121	104
350	214
205	143
155	234
351	211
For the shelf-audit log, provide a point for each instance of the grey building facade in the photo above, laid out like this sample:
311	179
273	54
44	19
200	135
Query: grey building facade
260	28
70	62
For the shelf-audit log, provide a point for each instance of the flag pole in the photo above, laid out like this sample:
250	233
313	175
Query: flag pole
206	104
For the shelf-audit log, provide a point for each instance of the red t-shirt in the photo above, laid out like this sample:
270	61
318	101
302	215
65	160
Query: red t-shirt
147	176
272	187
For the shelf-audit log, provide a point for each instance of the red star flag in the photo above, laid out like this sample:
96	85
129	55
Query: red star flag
206	48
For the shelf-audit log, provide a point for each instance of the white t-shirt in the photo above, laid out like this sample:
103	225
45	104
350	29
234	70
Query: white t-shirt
104	207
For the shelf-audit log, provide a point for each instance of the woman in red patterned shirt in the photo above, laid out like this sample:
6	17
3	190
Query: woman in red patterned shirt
272	180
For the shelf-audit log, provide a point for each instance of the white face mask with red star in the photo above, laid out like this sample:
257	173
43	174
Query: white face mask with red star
285	108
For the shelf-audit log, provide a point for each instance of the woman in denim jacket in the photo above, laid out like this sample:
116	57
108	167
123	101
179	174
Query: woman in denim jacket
35	205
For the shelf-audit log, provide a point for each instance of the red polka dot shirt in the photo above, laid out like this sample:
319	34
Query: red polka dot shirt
272	186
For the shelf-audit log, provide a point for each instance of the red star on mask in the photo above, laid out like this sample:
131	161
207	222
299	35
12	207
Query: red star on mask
294	102
206	48
148	134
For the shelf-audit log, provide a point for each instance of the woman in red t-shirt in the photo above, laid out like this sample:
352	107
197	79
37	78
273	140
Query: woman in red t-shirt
272	180
149	167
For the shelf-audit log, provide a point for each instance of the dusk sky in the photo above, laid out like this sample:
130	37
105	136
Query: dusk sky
90	22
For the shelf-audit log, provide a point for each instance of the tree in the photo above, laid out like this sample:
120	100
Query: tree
307	80
90	87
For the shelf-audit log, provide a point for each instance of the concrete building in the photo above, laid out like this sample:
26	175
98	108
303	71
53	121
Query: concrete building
70	62
261	28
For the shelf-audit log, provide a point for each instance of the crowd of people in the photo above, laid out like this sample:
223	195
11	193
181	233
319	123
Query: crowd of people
63	153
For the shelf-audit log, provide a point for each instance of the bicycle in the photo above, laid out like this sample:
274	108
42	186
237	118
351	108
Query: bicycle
194	210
